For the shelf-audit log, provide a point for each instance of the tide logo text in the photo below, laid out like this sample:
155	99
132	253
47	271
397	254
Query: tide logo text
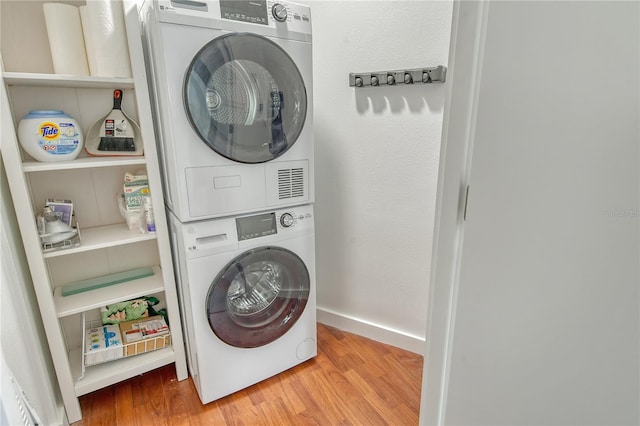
49	131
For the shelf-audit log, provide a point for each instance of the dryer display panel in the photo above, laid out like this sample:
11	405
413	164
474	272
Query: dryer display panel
245	98
254	11
258	297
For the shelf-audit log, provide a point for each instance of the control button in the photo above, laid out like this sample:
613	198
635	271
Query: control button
286	220
279	12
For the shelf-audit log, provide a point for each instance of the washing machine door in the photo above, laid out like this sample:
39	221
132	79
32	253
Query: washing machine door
258	297
245	98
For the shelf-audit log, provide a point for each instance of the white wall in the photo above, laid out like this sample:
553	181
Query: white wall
24	345
377	153
543	317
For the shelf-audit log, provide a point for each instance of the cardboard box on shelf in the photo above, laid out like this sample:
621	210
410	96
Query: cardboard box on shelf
150	334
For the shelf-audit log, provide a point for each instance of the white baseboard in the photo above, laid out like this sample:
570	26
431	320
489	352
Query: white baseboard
372	331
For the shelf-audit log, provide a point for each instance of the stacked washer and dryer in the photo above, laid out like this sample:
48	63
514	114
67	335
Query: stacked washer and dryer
232	87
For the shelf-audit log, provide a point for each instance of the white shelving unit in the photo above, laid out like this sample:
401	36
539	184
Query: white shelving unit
92	183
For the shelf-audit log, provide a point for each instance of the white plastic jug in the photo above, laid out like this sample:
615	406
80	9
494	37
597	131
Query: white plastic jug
50	136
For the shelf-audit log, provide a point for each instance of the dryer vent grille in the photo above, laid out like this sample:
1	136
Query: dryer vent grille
290	183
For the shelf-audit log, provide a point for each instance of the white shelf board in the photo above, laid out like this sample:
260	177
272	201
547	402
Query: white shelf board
101	375
103	237
82	163
59	80
93	299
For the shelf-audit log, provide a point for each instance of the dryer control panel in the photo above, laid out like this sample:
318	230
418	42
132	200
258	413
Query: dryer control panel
254	11
264	12
273	17
294	15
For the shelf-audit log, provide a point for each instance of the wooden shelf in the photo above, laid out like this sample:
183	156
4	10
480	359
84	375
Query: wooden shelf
82	302
102	237
59	80
101	375
82	163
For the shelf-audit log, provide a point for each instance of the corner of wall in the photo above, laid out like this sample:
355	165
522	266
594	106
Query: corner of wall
371	330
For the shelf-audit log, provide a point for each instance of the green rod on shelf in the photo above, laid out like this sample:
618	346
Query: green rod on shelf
105	281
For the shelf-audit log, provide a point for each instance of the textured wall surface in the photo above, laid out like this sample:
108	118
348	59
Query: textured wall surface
377	153
24	345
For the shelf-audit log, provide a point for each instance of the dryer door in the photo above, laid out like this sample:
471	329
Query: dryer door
245	98
258	297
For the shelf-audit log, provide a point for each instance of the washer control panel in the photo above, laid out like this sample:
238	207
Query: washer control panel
286	220
256	226
274	222
209	237
294	217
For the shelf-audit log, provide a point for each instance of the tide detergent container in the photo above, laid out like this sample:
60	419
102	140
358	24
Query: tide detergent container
50	136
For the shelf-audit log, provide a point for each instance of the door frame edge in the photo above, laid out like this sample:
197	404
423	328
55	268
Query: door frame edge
468	31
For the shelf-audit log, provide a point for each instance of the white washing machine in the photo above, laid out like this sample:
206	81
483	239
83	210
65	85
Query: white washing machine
247	290
232	89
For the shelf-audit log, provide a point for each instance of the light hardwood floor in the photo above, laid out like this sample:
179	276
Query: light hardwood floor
352	381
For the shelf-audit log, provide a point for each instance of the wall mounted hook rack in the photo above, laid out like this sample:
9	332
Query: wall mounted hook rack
398	77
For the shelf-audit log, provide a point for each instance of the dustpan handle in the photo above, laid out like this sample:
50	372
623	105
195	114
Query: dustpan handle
117	99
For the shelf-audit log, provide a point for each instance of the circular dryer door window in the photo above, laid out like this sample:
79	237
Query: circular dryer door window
258	297
245	98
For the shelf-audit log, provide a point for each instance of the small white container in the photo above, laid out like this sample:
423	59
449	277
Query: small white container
50	136
148	214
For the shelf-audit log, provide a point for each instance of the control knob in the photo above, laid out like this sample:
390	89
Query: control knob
279	12
286	220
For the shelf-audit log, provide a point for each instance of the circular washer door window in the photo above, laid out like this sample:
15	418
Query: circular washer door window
258	297
245	98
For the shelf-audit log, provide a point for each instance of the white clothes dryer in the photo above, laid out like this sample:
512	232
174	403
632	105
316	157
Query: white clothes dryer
232	88
247	293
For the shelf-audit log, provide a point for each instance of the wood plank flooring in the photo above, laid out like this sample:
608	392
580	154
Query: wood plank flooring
352	381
